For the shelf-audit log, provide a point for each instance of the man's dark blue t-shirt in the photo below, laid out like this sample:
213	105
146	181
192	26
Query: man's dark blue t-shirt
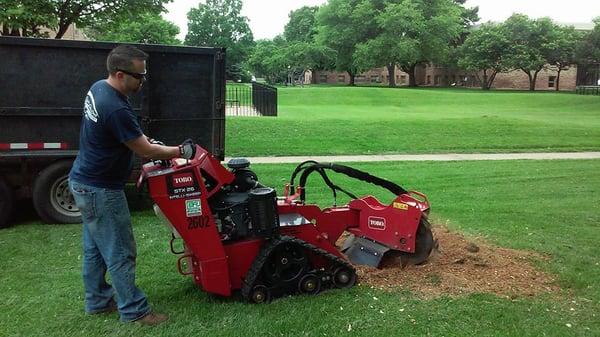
108	122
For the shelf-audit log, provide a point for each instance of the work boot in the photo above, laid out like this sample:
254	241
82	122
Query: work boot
152	319
112	307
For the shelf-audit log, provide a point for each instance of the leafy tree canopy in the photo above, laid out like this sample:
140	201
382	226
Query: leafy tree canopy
341	26
143	28
484	53
219	23
531	43
301	26
410	32
268	59
30	17
589	49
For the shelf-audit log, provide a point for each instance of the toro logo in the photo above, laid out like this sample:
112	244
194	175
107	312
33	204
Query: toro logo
183	180
376	223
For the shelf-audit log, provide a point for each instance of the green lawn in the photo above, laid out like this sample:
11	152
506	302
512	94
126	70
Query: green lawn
552	207
368	120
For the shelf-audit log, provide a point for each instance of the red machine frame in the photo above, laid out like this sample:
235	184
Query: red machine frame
182	191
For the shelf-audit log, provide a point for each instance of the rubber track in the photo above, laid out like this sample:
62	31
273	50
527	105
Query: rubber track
254	272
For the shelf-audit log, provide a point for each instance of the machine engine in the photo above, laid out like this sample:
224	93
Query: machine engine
245	208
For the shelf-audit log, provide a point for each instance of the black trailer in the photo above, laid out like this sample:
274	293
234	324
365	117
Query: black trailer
43	84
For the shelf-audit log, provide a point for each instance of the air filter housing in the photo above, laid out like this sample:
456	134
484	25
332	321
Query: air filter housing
262	207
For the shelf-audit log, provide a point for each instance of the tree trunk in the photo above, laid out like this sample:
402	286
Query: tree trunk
352	75
556	85
66	18
532	85
412	78
62	29
491	81
391	74
531	80
15	32
487	81
484	81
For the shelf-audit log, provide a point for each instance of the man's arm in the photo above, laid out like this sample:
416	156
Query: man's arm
143	148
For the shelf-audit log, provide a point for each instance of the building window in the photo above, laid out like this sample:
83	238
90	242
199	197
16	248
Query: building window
374	78
428	79
360	78
341	78
551	81
403	79
438	80
323	78
397	78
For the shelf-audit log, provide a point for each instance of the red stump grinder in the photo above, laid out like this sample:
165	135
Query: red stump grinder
239	236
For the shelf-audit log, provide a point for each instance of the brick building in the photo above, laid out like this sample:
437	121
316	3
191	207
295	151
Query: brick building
438	76
433	76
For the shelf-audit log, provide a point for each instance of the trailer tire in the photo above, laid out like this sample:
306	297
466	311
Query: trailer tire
52	198
7	198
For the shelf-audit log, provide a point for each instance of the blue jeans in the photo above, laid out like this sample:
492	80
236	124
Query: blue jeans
108	245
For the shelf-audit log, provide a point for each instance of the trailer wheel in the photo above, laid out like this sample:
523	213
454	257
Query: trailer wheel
51	196
6	203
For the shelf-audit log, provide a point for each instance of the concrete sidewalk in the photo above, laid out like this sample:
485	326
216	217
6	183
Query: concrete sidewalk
425	157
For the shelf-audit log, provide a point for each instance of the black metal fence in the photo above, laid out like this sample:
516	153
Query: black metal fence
588	74
251	100
588	90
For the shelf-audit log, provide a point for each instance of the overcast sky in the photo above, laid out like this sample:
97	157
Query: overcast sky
268	17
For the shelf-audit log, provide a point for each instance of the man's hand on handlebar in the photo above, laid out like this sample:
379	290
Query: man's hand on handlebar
187	149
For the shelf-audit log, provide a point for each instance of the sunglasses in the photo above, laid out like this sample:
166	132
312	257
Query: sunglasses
137	76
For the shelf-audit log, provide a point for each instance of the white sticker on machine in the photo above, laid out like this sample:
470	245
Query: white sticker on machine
193	207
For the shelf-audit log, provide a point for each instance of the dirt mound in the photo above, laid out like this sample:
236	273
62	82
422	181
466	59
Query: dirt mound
460	266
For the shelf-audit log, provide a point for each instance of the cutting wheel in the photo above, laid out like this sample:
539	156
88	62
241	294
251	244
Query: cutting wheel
424	245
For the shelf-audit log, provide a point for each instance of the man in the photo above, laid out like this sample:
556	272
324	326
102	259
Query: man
109	136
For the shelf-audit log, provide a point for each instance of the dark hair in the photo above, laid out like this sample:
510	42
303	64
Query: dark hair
121	57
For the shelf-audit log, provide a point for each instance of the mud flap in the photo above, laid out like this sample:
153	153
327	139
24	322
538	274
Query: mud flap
364	251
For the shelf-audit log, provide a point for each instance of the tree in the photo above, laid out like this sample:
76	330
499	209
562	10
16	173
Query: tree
218	23
484	52
411	32
143	28
531	43
391	44
304	56
562	53
28	17
469	17
268	60
302	25
291	55
588	51
340	29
